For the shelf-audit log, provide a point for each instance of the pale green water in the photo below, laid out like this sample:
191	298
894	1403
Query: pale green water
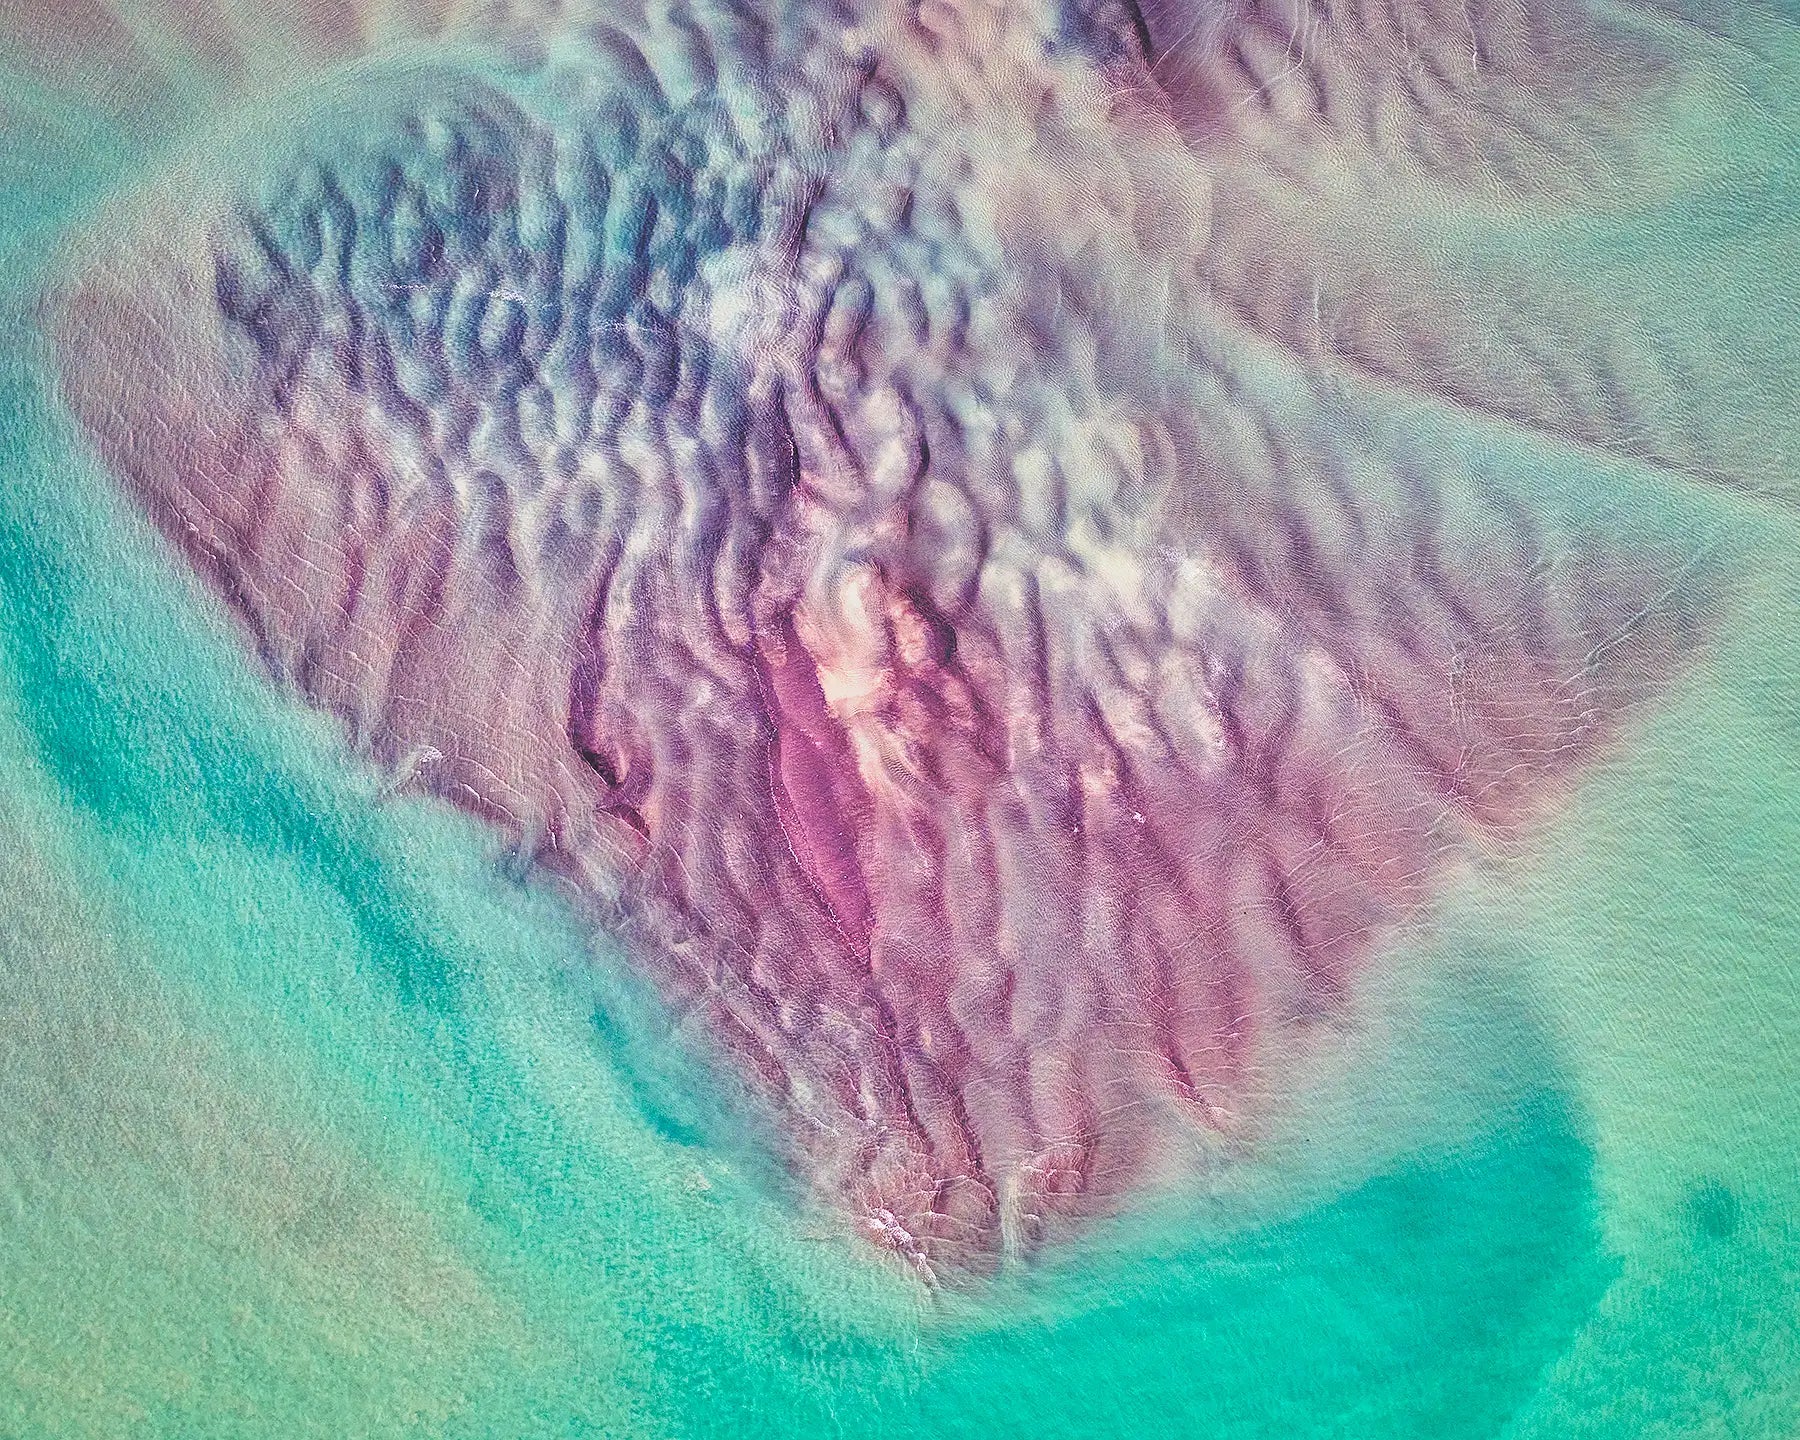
305	1131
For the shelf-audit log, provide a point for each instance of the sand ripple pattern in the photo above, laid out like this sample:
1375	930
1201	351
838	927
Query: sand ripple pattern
816	488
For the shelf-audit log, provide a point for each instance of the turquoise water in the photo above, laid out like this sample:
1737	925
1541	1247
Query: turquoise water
319	1124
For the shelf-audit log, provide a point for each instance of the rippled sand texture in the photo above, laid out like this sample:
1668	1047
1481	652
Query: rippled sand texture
900	508
1168	637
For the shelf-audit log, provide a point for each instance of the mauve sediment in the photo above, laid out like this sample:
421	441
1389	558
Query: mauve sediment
832	509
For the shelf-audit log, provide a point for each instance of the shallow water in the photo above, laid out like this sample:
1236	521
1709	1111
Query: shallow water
318	1123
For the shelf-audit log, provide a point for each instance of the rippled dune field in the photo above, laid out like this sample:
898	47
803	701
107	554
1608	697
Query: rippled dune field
1059	717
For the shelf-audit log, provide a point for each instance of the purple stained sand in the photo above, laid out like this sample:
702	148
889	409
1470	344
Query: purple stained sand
816	482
